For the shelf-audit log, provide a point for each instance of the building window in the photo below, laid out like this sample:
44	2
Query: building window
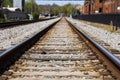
100	10
101	1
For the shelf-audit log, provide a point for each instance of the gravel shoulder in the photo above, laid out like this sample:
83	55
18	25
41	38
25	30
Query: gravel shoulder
12	36
113	39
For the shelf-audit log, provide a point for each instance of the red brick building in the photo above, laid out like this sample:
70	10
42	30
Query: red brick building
87	7
102	6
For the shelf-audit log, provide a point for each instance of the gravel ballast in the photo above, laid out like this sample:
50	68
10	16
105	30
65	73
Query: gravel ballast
111	38
14	35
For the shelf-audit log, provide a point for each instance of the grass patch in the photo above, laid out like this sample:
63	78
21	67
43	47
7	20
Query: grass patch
2	20
99	25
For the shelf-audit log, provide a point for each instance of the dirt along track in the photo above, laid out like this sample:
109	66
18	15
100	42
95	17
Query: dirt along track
59	55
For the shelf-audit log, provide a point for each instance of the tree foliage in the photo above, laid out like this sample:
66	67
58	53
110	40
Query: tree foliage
68	9
7	3
55	9
31	6
35	15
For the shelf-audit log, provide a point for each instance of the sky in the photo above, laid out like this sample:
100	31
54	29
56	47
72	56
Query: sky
43	2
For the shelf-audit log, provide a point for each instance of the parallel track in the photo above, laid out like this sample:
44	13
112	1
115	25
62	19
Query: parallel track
59	55
17	23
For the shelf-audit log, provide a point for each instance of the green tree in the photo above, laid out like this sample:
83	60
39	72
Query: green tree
35	15
31	6
55	9
68	9
7	3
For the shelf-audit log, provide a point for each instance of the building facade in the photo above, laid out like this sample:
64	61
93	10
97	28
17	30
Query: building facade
87	7
19	4
12	14
102	7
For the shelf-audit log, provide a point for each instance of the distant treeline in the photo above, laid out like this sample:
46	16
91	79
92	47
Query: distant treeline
31	6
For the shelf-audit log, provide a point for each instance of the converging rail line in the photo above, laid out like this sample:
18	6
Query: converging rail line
60	54
17	23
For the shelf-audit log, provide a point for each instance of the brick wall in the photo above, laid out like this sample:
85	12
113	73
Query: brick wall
109	6
87	7
102	6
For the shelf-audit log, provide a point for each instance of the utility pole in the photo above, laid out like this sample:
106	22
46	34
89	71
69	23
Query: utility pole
89	7
116	6
1	1
23	5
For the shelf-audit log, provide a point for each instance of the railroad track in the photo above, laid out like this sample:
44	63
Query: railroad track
17	23
116	52
60	54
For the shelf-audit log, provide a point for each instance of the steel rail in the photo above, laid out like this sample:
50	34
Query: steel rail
16	23
8	57
105	52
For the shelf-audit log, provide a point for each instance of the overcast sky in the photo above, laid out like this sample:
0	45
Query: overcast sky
43	2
